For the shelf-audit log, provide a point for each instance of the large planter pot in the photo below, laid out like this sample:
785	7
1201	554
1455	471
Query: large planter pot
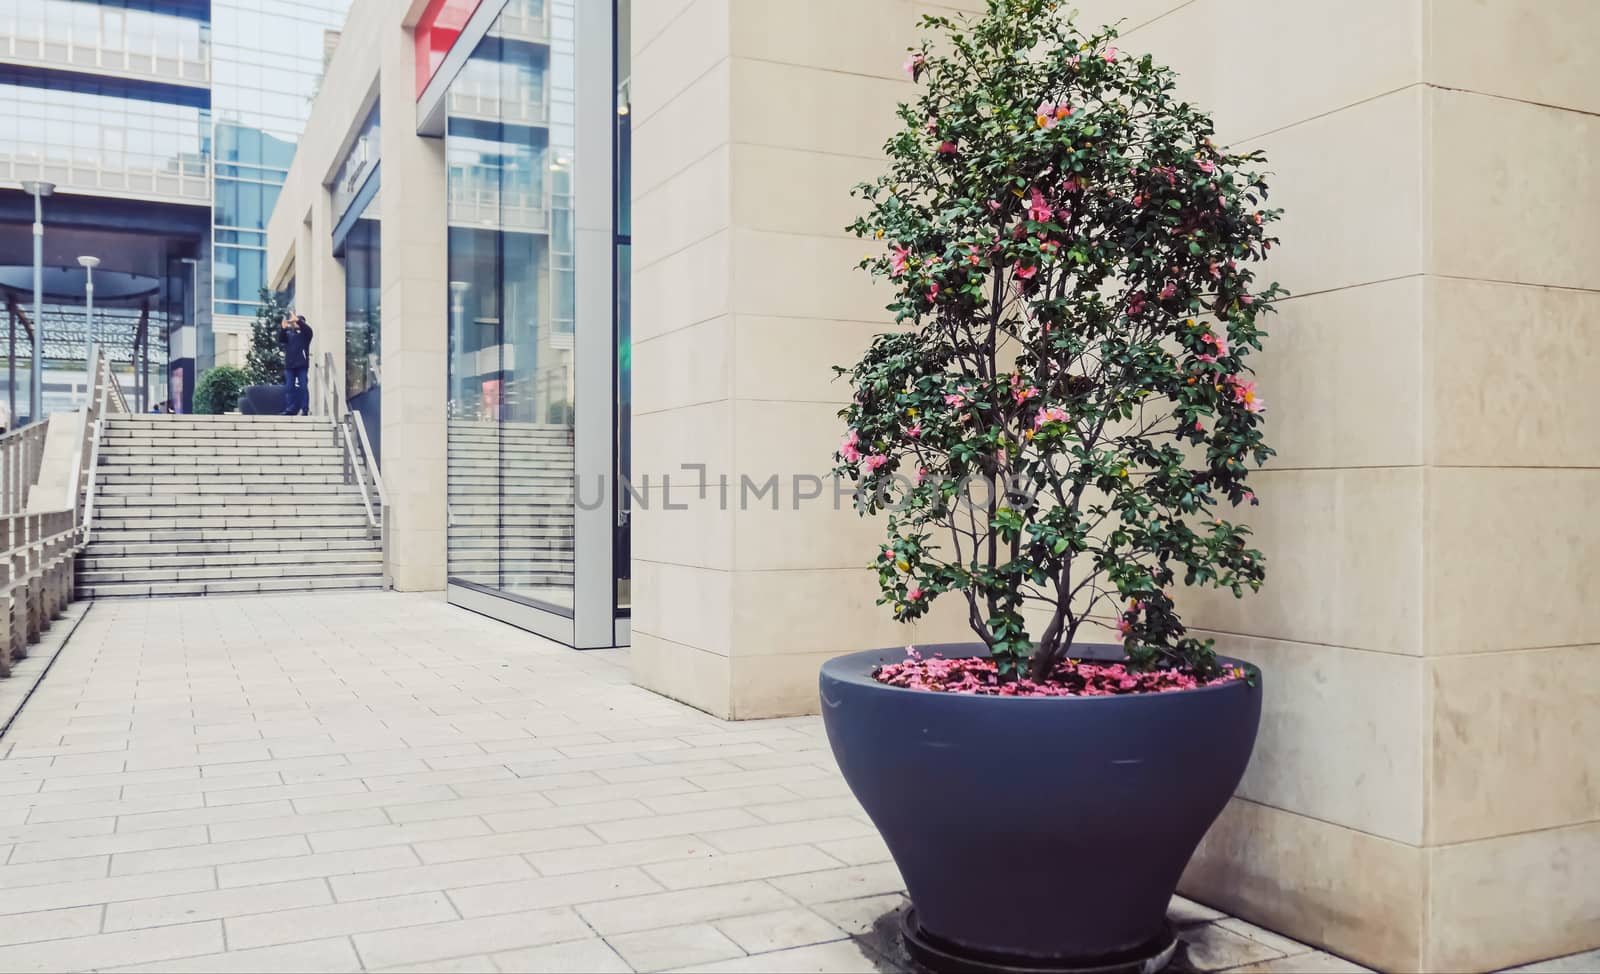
1038	833
261	400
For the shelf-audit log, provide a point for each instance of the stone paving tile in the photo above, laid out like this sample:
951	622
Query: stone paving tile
78	921
680	907
836	957
779	930
549	891
419	788
457	938
339	919
673	947
214	904
592	955
101	950
333	956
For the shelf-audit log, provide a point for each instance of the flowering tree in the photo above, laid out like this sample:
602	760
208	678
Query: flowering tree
1071	256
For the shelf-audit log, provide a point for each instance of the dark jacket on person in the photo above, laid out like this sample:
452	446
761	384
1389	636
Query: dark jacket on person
296	344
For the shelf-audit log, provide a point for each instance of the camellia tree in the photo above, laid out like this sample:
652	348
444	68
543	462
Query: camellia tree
1071	257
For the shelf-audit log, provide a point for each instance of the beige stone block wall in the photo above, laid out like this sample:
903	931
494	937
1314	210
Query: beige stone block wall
752	121
1419	798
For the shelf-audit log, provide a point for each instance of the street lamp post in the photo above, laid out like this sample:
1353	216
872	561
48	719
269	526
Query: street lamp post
39	190
89	264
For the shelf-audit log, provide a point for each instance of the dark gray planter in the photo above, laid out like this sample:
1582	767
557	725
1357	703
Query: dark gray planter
1038	833
261	400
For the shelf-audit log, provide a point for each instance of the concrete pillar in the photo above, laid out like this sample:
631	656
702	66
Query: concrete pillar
1422	794
752	120
415	307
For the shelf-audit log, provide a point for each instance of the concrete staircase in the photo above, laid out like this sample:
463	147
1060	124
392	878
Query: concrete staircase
511	505
211	505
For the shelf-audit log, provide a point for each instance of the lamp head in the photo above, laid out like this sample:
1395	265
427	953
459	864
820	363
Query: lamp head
89	262
38	187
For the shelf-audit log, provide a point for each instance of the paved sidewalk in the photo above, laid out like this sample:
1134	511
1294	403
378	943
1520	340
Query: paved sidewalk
381	781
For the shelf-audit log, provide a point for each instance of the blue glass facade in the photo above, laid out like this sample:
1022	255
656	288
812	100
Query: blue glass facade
267	60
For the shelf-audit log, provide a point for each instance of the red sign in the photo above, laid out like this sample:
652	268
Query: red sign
437	29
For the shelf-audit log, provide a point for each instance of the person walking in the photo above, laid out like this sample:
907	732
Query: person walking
295	337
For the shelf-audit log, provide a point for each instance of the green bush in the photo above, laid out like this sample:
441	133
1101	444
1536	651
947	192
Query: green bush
218	390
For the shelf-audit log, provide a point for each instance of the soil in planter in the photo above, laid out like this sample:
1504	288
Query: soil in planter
1071	678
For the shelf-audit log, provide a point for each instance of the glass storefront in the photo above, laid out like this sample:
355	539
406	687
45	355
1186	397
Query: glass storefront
511	358
537	390
363	321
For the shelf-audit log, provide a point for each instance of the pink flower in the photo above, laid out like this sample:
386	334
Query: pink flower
1244	393
933	291
1039	208
1110	55
1125	627
1213	270
958	398
922	473
973	257
1070	185
898	260
915	63
848	447
1250	496
915	431
873	462
1022	395
994	206
1199	427
1167	291
933	126
1206	165
1246	299
1064	214
947	148
1049	414
1136	304
1026	273
888	554
1221	347
1049	113
913	593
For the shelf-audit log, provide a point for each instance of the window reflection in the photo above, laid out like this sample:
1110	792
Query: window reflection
363	321
511	314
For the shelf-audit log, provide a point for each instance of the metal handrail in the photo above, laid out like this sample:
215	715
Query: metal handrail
356	464
366	451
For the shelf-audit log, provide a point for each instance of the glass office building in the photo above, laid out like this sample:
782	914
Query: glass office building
166	128
268	57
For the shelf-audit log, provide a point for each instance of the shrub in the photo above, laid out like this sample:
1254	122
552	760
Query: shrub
218	390
1070	257
263	364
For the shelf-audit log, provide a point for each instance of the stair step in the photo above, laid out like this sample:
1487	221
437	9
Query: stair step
203	573
95	561
101	547
178	532
308	522
232	586
287	488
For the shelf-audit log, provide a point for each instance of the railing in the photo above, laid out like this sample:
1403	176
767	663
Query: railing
350	431
105	399
186	181
20	454
47	509
183	62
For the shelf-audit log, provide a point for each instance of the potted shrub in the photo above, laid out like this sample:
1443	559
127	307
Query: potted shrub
1057	435
218	390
